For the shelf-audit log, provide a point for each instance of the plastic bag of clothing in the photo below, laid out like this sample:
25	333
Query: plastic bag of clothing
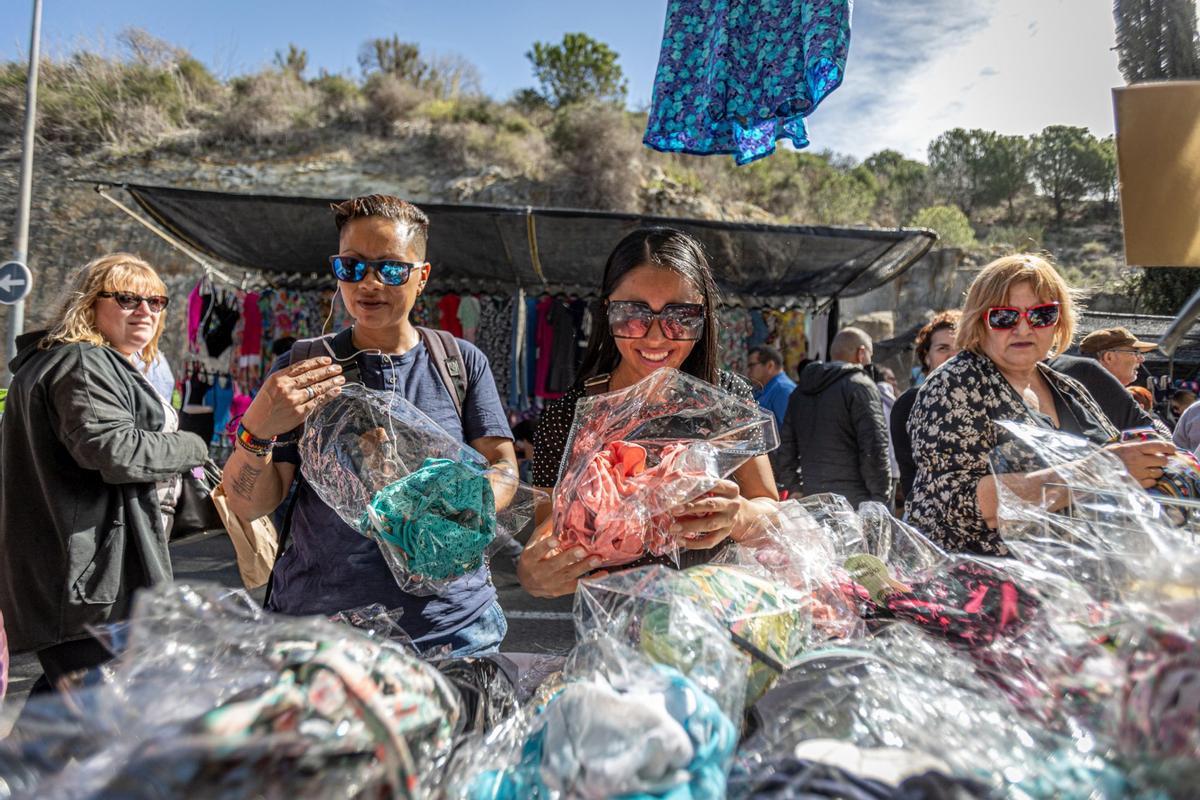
905	690
213	697
1095	522
641	608
789	546
635	454
769	622
617	726
434	506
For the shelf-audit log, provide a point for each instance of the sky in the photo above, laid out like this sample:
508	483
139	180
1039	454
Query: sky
916	67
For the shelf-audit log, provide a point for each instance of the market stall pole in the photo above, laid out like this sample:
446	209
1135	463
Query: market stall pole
15	279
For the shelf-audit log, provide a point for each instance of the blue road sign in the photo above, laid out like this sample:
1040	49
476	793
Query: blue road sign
15	282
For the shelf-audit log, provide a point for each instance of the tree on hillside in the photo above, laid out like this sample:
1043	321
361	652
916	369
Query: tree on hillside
903	184
393	57
1006	169
295	60
1061	159
949	222
1102	170
577	69
956	163
1157	39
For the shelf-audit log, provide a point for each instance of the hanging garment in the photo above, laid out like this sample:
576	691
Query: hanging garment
733	334
545	348
195	312
219	326
448	315
561	373
469	309
252	330
220	397
531	346
758	328
735	76
494	338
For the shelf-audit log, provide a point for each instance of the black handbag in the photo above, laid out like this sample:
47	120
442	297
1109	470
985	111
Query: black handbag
195	511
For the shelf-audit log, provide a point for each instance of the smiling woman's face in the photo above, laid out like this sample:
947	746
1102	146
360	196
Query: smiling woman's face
656	287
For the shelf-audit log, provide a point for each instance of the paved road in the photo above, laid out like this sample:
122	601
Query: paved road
534	626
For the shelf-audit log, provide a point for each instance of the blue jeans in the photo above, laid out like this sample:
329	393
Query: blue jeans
481	638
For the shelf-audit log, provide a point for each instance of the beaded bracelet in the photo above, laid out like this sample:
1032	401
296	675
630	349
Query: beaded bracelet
252	444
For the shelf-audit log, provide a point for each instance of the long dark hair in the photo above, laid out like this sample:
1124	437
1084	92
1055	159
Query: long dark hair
667	248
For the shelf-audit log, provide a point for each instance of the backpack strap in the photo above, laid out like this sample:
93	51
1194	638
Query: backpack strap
304	349
443	349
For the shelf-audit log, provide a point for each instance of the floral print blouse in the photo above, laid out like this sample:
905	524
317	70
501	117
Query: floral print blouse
953	434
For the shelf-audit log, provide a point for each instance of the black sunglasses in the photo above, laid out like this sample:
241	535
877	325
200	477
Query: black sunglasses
631	319
390	271
129	301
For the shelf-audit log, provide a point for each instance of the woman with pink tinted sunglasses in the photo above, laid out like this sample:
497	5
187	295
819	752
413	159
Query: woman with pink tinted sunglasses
1017	312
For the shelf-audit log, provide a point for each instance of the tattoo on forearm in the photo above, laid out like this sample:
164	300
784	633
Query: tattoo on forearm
243	483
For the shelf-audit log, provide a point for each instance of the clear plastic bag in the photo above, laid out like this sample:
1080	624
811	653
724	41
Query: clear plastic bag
616	726
768	622
635	454
433	505
790	547
213	697
1094	522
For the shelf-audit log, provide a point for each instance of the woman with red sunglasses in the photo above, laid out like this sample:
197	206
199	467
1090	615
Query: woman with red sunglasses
1018	311
660	308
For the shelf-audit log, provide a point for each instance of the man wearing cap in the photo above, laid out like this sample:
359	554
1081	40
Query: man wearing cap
1118	351
1113	356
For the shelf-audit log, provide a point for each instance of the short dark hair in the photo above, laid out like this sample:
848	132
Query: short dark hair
386	206
946	320
767	353
666	248
1183	394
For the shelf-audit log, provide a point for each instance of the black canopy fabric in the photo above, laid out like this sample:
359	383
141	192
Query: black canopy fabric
495	247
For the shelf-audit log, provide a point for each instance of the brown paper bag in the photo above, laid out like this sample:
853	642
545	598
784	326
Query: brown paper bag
255	542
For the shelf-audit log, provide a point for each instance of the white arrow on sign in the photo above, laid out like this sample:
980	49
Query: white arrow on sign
8	282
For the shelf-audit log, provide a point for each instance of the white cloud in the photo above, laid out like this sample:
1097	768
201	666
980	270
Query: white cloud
1014	66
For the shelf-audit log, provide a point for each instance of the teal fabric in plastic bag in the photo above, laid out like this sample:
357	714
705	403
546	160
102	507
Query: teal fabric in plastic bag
441	517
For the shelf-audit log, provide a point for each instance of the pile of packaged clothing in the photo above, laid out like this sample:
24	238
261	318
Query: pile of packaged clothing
830	653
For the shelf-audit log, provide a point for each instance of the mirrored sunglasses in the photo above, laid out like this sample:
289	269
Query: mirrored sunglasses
390	271
631	319
1003	318
129	301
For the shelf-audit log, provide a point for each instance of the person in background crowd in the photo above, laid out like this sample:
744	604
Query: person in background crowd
329	566
90	463
885	381
160	377
1118	351
1187	427
1110	363
765	370
661	311
933	347
834	437
1143	398
1181	400
1017	311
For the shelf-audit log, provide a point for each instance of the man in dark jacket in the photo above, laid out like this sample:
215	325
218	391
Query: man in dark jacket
1114	399
834	438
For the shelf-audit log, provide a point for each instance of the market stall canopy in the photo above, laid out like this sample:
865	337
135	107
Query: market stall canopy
489	247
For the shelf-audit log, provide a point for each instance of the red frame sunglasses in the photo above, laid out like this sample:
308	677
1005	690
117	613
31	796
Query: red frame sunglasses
1005	318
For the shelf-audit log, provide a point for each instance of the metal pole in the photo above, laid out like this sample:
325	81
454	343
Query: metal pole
16	312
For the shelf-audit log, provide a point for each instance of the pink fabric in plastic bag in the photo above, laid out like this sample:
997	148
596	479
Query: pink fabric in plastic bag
600	516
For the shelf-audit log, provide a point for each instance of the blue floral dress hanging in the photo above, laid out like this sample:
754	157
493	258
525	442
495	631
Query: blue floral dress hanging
736	76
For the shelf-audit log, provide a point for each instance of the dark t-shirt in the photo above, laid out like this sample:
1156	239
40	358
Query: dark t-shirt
329	566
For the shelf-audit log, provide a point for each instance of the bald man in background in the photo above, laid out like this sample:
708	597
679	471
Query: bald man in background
834	436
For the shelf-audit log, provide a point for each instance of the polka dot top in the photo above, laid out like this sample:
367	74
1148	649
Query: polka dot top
554	428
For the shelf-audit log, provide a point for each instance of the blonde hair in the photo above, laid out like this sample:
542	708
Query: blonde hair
75	320
991	287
